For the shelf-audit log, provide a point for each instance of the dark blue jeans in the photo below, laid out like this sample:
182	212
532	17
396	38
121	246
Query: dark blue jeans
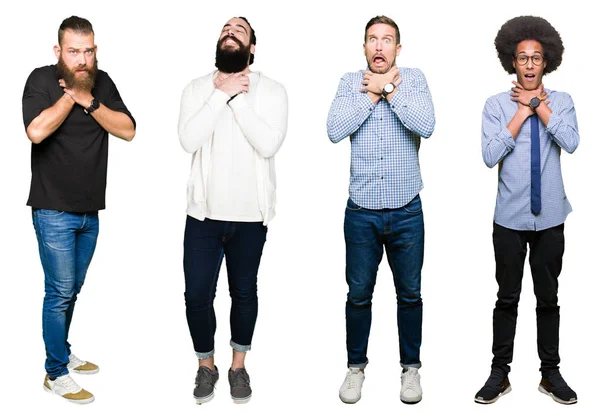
204	245
66	243
367	232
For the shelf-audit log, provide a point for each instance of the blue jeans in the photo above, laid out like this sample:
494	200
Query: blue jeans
66	243
367	232
204	246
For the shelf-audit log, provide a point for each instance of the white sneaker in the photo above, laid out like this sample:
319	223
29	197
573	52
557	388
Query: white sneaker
80	366
411	392
66	387
350	390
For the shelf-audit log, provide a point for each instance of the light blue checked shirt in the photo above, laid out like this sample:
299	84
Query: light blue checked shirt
385	138
513	202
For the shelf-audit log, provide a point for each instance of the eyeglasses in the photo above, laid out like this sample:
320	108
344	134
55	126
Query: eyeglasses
523	59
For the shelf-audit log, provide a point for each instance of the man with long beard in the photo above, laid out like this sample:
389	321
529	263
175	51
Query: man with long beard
385	111
68	110
233	120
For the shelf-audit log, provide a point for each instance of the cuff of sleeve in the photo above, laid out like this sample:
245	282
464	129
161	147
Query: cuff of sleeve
400	99
364	103
507	138
238	102
218	99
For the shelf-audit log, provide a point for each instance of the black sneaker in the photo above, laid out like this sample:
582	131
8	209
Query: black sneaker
205	384
496	386
556	387
239	381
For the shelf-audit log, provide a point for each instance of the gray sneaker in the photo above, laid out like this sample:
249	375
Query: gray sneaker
206	380
239	381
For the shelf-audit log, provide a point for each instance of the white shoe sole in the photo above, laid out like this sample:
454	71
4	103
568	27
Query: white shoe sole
506	391
84	372
241	400
554	397
89	400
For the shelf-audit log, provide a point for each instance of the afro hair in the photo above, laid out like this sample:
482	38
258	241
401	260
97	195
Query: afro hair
529	28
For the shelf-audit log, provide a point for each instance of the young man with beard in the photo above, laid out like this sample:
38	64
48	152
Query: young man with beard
233	120
385	111
69	109
523	132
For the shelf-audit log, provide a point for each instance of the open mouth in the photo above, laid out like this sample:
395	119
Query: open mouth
378	59
530	77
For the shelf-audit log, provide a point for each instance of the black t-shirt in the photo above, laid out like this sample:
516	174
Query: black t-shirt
68	168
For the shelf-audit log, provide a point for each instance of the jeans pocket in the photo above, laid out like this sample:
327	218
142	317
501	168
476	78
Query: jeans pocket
48	213
352	206
414	207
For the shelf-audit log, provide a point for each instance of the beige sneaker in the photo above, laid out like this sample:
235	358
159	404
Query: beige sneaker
66	387
79	366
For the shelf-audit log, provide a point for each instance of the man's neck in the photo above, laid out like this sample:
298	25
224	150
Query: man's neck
245	72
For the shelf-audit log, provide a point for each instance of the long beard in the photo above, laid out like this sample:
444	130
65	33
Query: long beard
85	83
232	61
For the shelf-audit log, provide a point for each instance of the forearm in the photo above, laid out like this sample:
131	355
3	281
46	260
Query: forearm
564	134
347	114
197	120
414	108
265	134
562	126
497	140
116	123
515	124
50	119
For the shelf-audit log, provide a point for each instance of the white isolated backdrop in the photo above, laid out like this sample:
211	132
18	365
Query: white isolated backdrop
130	317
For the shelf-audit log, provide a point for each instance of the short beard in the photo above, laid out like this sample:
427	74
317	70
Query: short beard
232	61
85	84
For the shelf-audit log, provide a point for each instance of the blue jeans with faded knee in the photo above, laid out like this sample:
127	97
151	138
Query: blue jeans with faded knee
367	232
66	243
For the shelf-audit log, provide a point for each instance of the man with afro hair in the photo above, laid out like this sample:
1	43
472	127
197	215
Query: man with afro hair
523	132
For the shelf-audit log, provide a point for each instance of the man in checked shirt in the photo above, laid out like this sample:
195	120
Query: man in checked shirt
385	111
523	132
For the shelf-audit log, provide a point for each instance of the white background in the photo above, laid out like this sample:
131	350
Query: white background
130	318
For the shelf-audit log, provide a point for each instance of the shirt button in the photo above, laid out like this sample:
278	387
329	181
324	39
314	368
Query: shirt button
381	177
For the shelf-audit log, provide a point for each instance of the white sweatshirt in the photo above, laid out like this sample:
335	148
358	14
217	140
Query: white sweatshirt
258	119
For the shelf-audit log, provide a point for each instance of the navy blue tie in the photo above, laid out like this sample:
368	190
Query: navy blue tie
536	175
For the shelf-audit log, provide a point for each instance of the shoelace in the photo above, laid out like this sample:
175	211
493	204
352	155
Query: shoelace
75	360
240	378
68	382
203	376
410	378
353	379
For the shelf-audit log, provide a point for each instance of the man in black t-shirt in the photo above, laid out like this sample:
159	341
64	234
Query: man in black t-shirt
68	110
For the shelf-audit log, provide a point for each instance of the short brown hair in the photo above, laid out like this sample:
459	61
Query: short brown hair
76	24
387	21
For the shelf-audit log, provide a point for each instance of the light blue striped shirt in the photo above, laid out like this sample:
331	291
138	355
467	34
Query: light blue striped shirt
513	202
385	138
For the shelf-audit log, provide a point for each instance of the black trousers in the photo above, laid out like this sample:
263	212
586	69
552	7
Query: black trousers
546	250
